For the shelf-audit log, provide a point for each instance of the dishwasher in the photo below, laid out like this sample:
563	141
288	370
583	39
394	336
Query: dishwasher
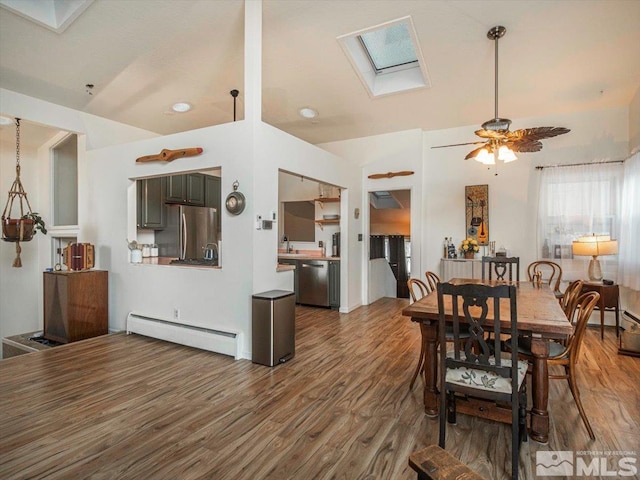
313	282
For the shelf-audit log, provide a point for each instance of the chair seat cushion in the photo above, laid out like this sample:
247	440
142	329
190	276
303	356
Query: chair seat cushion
484	380
524	347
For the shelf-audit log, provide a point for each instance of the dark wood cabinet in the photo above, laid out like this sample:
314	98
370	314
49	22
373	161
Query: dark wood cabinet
609	300
334	284
151	212
187	189
76	305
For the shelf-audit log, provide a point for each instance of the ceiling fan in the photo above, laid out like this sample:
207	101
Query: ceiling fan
501	143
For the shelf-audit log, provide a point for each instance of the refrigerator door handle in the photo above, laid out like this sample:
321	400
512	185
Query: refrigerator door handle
184	236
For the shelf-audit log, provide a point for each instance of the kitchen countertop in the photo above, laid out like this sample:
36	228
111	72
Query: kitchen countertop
166	261
301	256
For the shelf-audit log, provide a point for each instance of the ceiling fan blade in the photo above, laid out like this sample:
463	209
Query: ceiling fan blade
458	144
537	133
490	134
524	145
473	153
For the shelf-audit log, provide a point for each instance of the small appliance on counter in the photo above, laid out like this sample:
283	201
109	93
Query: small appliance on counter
335	249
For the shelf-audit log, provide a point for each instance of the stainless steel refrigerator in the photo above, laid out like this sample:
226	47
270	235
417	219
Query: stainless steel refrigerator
190	234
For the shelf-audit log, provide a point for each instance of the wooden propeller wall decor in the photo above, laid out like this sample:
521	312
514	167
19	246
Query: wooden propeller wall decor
500	143
169	155
391	174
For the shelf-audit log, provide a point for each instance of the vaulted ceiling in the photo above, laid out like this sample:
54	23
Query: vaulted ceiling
144	55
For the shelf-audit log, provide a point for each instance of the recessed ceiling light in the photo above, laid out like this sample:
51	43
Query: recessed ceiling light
181	107
5	120
308	112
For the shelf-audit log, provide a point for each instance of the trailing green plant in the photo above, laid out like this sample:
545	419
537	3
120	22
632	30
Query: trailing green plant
37	220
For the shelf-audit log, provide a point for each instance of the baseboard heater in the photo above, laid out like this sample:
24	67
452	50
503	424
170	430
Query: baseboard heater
227	342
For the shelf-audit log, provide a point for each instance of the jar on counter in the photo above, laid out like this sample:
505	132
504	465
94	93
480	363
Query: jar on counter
146	250
136	255
154	249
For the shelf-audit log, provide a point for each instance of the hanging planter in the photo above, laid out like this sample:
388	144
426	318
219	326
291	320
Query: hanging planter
23	227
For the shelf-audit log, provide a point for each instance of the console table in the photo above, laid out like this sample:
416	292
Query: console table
609	300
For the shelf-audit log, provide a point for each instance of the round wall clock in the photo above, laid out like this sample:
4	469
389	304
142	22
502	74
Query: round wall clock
235	202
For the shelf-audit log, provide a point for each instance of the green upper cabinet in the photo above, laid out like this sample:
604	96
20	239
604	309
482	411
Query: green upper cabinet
212	192
187	189
151	210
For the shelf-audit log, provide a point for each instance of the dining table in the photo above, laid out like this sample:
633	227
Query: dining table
539	316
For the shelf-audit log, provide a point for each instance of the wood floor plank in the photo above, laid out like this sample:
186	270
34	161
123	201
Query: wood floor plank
130	407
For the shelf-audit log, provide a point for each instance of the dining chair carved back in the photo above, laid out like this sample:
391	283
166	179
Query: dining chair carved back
501	268
473	369
568	355
551	274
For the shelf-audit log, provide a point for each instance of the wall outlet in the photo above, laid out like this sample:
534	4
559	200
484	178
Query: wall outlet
176	314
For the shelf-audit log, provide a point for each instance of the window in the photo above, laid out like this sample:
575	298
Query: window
65	182
390	48
387	57
576	201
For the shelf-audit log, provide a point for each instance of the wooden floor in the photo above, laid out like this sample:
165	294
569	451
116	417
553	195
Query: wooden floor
130	407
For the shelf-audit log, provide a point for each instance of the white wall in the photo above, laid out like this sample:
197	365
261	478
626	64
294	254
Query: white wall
381	154
634	123
18	310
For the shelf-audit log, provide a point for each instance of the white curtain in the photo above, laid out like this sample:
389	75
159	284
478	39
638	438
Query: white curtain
629	257
574	201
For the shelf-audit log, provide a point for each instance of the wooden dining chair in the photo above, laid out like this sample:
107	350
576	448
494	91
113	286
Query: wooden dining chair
496	268
569	299
474	371
551	274
417	290
432	280
568	355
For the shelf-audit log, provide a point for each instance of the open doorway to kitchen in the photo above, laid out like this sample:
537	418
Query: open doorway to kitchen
389	243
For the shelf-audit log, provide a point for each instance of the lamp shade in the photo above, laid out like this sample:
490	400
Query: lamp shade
594	245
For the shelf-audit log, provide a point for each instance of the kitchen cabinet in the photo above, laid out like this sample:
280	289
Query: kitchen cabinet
151	212
186	189
334	284
75	305
212	192
287	261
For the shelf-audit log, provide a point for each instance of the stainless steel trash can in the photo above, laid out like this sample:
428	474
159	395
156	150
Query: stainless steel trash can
273	327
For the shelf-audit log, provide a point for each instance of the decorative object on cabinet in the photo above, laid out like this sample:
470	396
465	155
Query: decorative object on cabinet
477	201
469	247
235	202
23	228
79	256
169	155
594	245
75	305
403	173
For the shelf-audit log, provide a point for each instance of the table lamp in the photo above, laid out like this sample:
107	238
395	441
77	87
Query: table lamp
594	245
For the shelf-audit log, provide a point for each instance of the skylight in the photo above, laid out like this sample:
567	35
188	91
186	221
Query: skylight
387	57
390	47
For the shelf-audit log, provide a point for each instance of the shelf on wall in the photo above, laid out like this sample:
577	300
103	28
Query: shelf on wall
323	222
322	201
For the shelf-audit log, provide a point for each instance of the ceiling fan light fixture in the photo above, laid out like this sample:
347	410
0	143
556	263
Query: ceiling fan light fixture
506	154
497	124
485	157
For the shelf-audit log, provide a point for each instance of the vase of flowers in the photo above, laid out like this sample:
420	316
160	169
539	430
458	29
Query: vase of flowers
469	247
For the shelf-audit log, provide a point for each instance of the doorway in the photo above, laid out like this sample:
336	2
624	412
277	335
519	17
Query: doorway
389	243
